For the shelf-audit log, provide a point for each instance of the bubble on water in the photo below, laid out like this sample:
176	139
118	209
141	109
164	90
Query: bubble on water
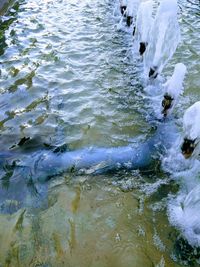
151	188
118	237
141	231
161	263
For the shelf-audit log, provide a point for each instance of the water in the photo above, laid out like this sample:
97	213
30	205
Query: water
144	23
69	82
183	208
164	37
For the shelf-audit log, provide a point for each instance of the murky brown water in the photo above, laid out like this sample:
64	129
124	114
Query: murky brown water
68	77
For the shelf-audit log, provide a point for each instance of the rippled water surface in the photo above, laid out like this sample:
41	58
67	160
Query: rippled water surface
68	79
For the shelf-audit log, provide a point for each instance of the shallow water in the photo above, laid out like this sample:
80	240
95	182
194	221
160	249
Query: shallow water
68	77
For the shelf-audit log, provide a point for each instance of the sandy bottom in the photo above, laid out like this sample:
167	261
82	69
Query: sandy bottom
86	224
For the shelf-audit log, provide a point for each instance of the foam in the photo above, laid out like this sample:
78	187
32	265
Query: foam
183	210
184	214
